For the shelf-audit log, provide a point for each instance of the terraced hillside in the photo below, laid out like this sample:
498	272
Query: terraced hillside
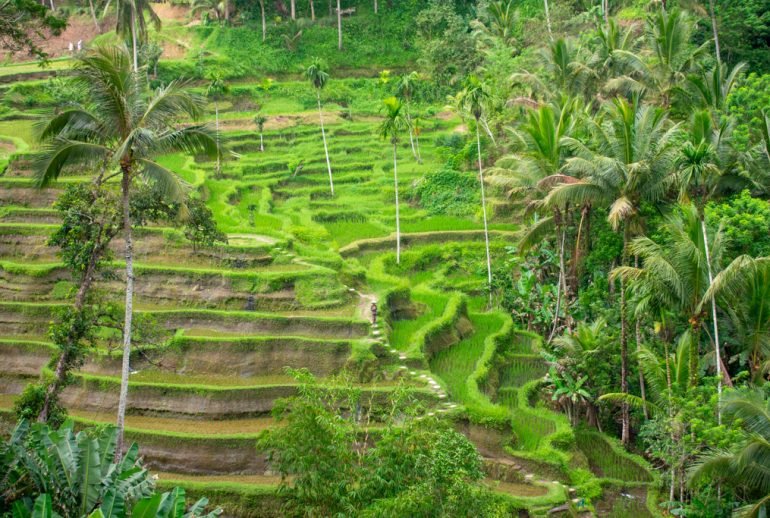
292	288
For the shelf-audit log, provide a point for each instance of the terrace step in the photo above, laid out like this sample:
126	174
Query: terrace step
26	319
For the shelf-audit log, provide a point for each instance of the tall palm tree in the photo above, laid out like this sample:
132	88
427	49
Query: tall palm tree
474	99
216	89
394	123
123	128
500	23
318	76
404	91
743	292
131	24
674	273
627	164
711	88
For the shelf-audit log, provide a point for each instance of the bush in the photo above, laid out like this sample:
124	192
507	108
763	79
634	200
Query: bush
448	192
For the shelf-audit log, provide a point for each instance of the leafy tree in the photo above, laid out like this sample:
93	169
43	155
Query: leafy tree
122	131
22	20
50	473
394	123
745	466
318	77
199	225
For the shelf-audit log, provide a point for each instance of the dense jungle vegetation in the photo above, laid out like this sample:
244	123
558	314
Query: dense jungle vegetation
384	258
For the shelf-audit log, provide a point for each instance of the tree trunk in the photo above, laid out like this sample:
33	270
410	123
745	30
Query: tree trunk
409	123
548	19
717	352
638	335
261	142
398	220
227	10
561	283
264	22
326	148
312	10
715	31
484	212
60	373
133	38
339	25
125	370
606	11
376	8
625	435
216	125
293	9
93	16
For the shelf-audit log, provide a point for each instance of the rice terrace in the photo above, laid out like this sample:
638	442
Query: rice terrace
395	258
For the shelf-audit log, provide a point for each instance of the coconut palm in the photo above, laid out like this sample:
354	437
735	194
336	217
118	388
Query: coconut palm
260	119
532	171
474	100
216	89
626	165
214	7
395	122
122	129
501	21
712	88
565	71
743	291
317	75
131	25
674	273
404	91
264	21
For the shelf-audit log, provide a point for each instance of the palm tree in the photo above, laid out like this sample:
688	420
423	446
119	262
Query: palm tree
674	274
394	123
317	75
746	466
216	89
712	88
122	130
131	25
535	169
215	7
548	19
260	120
474	100
627	164
743	290
404	91
706	164
501	21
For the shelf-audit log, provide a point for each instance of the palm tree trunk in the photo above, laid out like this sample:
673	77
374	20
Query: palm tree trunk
293	9
717	352
216	123
376	7
227	10
261	142
625	435
560	285
417	145
548	19
638	333
339	25
409	123
484	212
312	10
398	220
715	31
326	148
264	23
125	370
133	37
606	11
